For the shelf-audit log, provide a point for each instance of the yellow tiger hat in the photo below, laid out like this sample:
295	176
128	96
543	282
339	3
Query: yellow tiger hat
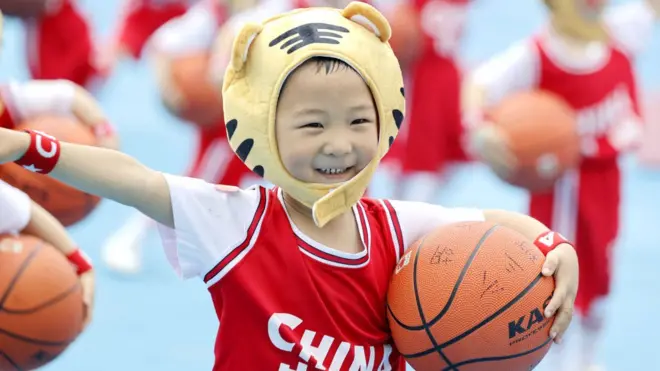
263	55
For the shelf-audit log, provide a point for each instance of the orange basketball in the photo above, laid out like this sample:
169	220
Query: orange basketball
542	130
470	297
203	100
67	204
42	308
407	36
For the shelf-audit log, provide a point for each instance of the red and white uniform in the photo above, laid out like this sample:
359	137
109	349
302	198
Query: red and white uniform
14	209
139	20
433	128
60	45
296	303
20	101
600	85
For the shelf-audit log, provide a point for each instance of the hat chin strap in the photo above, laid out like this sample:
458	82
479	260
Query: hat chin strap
579	29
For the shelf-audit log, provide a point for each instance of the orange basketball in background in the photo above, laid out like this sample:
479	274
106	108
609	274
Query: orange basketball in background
202	100
407	36
42	308
470	296
67	204
542	131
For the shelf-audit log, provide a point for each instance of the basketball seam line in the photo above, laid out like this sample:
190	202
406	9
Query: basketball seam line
452	296
11	361
21	270
499	358
56	299
482	323
58	343
421	310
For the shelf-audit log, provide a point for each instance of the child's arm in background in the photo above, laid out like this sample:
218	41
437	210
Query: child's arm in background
20	214
102	172
61	98
512	71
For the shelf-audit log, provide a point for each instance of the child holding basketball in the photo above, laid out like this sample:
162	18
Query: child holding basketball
19	214
313	100
587	58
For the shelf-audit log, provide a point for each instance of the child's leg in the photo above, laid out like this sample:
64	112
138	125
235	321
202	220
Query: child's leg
434	128
598	229
558	210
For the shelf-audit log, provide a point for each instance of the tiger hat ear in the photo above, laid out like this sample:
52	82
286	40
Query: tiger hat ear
242	44
370	18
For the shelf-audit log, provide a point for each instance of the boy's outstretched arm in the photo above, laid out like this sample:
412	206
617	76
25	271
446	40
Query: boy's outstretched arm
103	172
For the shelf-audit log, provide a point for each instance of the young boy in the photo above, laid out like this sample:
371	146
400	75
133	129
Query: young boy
298	274
587	59
19	214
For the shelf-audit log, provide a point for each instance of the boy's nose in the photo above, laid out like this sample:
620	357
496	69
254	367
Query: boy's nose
338	147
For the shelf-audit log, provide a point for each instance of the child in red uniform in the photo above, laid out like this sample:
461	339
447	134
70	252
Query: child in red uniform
313	100
434	130
587	60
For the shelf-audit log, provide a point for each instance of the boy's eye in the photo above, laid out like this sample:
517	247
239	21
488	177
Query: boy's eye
360	121
313	125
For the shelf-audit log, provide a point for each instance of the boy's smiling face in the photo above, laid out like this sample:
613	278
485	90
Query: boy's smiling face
326	123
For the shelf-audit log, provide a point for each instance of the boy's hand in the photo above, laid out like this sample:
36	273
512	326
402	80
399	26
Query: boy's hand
562	263
87	281
492	147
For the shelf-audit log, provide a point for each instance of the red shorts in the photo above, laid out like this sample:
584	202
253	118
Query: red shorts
215	161
584	206
434	116
140	21
60	46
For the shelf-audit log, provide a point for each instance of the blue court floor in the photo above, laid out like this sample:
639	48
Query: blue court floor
154	321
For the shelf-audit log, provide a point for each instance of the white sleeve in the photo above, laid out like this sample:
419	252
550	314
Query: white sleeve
514	70
38	97
631	25
190	33
210	221
15	209
420	218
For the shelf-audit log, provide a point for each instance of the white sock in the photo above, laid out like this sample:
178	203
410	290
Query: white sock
592	326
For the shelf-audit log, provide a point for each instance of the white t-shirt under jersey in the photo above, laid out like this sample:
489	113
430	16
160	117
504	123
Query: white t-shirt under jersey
210	221
14	209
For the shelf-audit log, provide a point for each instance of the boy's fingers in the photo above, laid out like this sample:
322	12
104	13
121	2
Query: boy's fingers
557	300
562	321
551	264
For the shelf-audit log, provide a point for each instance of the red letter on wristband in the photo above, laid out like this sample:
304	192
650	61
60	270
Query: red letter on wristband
42	154
547	241
80	261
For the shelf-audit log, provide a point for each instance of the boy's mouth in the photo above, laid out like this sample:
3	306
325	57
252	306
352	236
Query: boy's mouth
335	172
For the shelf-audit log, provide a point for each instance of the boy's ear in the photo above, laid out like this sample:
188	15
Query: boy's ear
371	19
242	43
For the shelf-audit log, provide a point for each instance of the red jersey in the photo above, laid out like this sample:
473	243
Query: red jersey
599	83
285	301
